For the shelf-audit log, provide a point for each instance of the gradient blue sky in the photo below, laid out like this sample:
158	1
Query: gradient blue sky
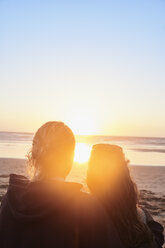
97	65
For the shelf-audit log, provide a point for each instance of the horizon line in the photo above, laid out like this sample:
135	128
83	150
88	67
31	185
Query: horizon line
103	135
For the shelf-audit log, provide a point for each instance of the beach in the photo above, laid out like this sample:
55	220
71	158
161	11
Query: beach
150	181
146	155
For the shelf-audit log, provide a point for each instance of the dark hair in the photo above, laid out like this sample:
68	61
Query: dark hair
108	161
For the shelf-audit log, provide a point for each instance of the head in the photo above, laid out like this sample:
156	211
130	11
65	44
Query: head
52	151
109	179
107	170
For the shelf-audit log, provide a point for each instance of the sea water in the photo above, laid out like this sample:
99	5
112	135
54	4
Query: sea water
139	150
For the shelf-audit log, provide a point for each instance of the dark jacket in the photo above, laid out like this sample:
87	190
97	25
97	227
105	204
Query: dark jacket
156	228
52	214
157	231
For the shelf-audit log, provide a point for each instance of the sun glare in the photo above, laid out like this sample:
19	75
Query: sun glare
82	124
82	153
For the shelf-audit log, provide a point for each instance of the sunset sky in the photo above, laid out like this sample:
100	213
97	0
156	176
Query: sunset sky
99	66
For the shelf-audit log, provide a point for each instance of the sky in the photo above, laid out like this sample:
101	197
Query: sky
97	65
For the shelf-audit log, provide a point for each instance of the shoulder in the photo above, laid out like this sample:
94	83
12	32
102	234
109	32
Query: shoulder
94	223
141	215
88	210
90	205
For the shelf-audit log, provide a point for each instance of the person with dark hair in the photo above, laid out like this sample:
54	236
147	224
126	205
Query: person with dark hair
45	210
109	180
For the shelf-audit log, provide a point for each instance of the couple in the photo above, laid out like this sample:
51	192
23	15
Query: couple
47	211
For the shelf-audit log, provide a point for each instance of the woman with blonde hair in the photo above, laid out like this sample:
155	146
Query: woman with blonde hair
109	180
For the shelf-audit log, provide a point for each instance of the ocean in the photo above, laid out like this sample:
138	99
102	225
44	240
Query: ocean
139	150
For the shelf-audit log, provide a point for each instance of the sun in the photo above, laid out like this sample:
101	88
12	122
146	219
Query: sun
82	153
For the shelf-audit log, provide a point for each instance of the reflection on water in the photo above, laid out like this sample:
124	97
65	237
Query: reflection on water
139	150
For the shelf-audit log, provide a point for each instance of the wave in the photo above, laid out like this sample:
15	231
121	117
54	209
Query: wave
4	176
3	186
15	137
148	150
121	139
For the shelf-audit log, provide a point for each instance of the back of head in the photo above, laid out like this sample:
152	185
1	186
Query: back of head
52	151
105	168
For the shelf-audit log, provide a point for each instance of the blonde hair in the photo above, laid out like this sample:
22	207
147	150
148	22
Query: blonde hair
53	138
